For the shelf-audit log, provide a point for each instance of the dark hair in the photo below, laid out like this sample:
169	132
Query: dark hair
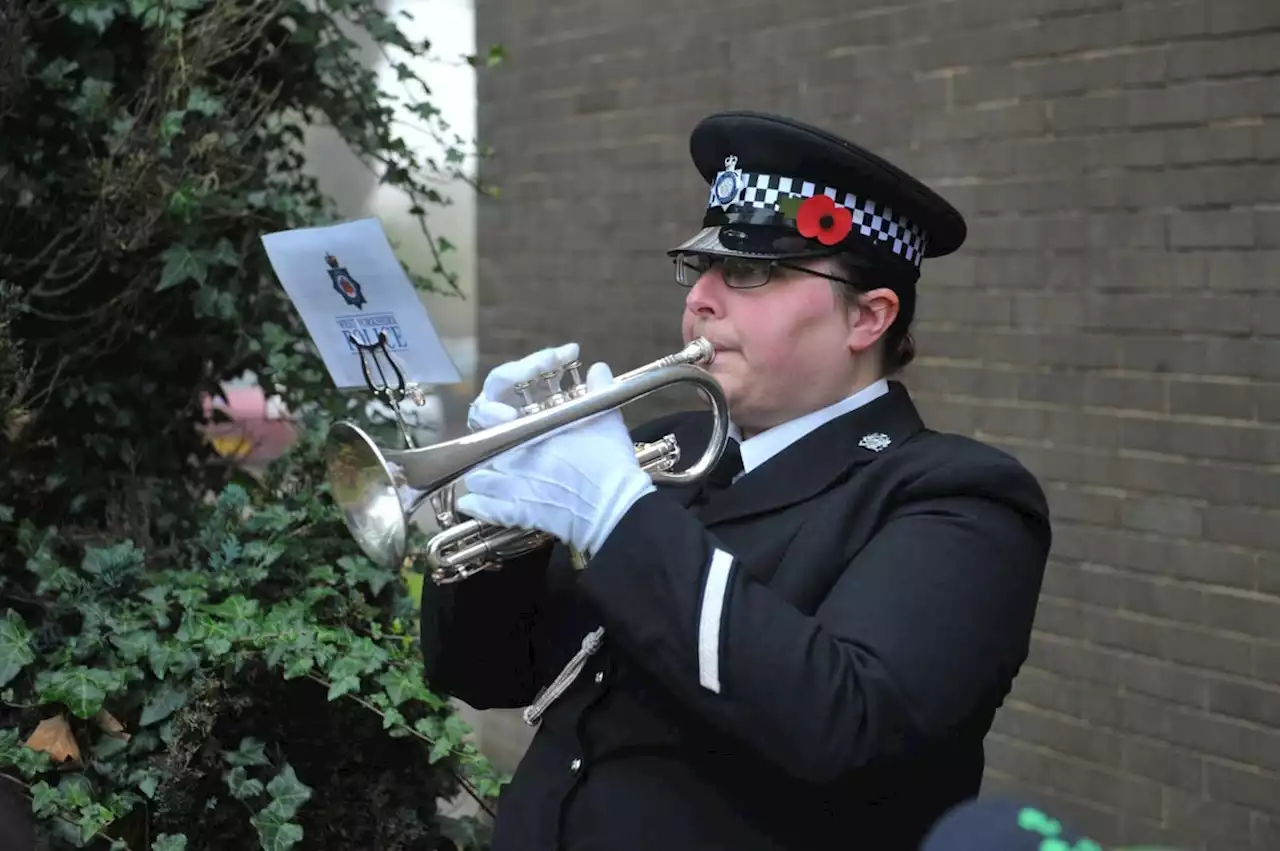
898	346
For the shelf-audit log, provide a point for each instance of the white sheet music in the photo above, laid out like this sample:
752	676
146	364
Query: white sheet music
345	279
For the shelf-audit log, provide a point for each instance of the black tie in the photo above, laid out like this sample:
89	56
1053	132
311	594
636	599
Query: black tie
727	469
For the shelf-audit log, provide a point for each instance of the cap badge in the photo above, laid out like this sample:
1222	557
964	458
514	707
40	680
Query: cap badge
877	442
727	184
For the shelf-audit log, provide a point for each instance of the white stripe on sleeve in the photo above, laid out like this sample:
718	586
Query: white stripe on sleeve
711	619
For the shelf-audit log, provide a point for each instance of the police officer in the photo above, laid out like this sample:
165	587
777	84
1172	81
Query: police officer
806	651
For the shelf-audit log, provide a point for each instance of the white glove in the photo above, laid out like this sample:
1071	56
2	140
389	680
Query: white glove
575	484
498	402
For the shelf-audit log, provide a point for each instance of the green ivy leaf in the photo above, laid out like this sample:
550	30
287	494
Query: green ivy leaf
299	665
467	833
343	685
100	561
134	645
456	729
15	646
225	253
57	72
250	752
45	800
359	569
242	786
275	831
10	742
288	793
93	100
181	265
32	763
97	14
147	780
159	656
401	685
171	124
81	689
237	608
202	101
166	701
169	842
440	749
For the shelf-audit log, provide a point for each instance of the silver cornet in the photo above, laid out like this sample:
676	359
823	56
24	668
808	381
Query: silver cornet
379	490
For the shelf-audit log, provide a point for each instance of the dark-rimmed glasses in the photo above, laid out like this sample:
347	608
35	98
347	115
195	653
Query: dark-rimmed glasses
739	273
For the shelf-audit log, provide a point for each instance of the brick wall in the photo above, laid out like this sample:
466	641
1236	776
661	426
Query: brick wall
1114	318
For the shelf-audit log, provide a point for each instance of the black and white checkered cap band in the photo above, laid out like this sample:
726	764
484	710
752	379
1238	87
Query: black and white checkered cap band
870	218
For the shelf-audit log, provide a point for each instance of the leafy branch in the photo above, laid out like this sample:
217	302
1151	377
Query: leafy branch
163	614
157	645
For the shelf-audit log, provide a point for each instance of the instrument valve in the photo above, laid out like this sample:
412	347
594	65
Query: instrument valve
555	396
577	387
525	390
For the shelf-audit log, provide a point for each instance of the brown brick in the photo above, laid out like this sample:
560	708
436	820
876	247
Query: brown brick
1268	573
1134	393
1214	399
1219	229
1046	690
1163	515
1174	105
1184	146
1248	613
1141	675
1266	663
1190	814
1139	832
1135	551
1266	831
1225	737
1071	503
1162	598
1074	736
1165	764
1238	16
1061	773
1058	617
1246	701
1243	527
1255	788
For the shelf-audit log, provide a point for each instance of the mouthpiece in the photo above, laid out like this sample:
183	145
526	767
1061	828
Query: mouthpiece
700	352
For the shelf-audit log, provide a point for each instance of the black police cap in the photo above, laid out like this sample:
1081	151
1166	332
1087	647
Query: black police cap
784	189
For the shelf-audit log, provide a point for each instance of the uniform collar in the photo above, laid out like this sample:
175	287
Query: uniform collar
858	433
763	446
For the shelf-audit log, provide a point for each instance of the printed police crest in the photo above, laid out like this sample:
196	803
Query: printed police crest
727	184
345	285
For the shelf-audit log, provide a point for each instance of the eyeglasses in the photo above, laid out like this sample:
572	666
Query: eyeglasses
739	273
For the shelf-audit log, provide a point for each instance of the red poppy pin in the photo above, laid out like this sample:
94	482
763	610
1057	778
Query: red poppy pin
822	218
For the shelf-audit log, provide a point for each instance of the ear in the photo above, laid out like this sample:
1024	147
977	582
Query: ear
870	317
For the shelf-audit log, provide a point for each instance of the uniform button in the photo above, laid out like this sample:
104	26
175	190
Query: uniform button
575	766
599	676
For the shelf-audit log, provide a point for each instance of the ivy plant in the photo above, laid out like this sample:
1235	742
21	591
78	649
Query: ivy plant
139	673
190	657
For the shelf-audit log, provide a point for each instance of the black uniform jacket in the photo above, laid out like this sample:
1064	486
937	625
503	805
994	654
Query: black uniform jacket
809	659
